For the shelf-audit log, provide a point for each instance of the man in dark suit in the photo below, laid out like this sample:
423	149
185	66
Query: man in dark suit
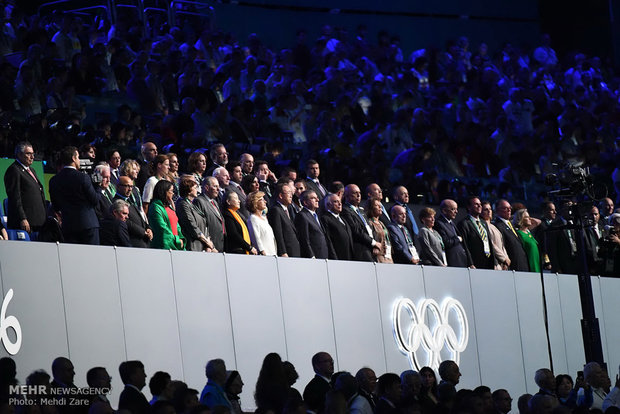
234	184
541	233
26	199
317	388
219	158
563	242
140	233
64	373
475	233
280	220
593	235
353	214
312	179
389	391
148	152
207	203
374	191
337	229
101	180
456	251
512	242
403	247
134	378
401	197
72	194
312	238
113	230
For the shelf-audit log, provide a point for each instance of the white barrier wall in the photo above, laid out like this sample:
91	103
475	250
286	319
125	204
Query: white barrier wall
174	311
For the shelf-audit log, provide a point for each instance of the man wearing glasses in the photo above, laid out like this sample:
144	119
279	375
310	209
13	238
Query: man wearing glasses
26	199
140	234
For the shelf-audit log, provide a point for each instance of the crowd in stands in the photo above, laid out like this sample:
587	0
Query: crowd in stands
329	392
453	126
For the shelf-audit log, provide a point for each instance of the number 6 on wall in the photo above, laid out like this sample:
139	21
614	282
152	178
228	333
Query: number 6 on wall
7	322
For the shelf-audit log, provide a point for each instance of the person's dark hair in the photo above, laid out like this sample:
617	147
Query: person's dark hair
481	389
257	165
335	186
430	370
160	190
39	377
386	381
127	368
186	183
158	382
369	211
560	378
311	162
246	183
232	165
66	155
92	374
271	386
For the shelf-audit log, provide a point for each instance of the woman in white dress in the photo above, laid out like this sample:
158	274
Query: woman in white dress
160	168
261	232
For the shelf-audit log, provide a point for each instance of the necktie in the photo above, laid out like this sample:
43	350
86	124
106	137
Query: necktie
407	236
414	225
321	189
287	213
34	177
219	216
511	228
483	233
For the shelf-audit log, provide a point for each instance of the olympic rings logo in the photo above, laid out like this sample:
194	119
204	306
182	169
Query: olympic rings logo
432	339
7	322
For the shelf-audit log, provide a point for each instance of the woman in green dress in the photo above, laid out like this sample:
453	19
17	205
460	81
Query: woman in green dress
163	218
522	222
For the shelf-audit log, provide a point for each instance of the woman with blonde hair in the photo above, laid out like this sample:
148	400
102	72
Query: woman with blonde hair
430	244
237	234
261	232
522	223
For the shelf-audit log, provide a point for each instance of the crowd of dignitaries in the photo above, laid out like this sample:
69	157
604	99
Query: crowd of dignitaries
328	392
242	207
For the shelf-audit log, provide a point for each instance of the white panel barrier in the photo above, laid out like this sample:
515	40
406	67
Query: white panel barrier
176	310
307	312
493	314
93	310
203	309
532	328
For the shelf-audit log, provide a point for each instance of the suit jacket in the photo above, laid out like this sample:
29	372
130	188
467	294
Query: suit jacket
408	223
134	401
560	248
383	407
339	235
429	247
312	238
284	230
234	235
193	223
362	242
514	247
456	251
163	238
473	241
143	175
104	204
592	242
72	194
314	394
400	249
136	225
113	232
215	220
26	199
311	185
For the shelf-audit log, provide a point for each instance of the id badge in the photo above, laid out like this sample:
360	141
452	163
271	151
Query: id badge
487	247
414	253
444	258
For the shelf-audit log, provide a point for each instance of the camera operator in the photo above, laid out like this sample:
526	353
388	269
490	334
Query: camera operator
610	248
593	236
563	241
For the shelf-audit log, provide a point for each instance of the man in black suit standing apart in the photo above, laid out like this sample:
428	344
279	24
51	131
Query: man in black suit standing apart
353	214
512	242
280	219
337	229
312	179
26	199
140	233
73	194
456	251
475	233
317	388
134	378
563	241
312	238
